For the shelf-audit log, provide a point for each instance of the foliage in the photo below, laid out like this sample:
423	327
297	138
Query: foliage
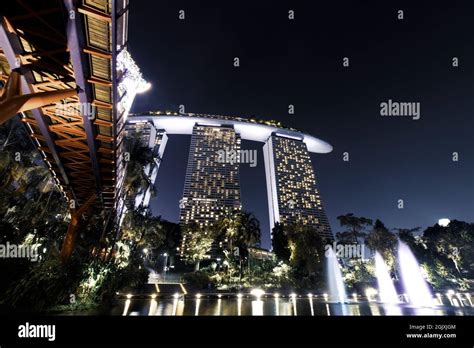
382	240
307	254
240	229
359	272
198	279
280	243
356	228
44	285
455	242
198	244
137	179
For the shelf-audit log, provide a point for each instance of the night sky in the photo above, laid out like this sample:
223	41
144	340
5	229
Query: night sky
299	62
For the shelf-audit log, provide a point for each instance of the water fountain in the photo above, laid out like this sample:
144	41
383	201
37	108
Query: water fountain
387	291
337	288
419	293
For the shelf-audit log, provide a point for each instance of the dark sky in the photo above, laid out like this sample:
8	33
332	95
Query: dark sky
299	62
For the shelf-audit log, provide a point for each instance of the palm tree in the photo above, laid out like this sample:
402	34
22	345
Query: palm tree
249	231
228	226
137	180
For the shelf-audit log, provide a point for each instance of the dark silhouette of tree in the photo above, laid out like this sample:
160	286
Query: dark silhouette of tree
381	239
280	243
355	228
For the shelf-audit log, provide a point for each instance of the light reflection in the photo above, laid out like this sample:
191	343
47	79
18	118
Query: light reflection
277	305
449	295
153	306
355	310
257	307
468	296
311	304
391	309
218	309
458	295
198	303
293	300
175	306
425	311
374	309
127	305
328	311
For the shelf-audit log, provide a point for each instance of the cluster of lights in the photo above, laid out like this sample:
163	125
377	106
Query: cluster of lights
131	83
271	123
370	292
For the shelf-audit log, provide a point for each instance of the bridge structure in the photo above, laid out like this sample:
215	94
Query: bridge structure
66	70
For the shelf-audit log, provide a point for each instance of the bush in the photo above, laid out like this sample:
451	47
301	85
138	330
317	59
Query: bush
43	286
198	279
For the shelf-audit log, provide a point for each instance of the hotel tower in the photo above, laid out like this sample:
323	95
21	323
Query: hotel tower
293	196
211	186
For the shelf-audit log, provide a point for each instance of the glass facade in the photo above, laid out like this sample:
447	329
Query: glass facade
211	186
293	196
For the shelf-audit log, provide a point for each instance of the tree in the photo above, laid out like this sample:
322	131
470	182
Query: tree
280	243
382	240
143	229
249	229
137	179
198	244
406	236
307	250
228	226
455	242
356	226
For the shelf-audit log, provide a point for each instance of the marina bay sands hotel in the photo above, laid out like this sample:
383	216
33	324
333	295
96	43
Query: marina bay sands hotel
212	185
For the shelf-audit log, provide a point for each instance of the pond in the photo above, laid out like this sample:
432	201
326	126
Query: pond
247	305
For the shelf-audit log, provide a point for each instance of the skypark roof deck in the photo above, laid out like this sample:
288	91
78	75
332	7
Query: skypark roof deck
249	129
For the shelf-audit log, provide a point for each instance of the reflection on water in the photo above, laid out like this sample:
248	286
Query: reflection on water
277	306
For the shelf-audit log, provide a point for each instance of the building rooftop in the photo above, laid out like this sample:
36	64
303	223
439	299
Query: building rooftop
249	129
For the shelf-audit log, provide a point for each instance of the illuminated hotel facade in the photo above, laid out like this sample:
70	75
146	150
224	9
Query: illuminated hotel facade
211	186
293	196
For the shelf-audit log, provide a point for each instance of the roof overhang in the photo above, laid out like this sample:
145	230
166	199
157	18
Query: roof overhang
246	130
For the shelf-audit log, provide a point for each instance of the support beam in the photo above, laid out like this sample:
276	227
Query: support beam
10	44
12	102
73	228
